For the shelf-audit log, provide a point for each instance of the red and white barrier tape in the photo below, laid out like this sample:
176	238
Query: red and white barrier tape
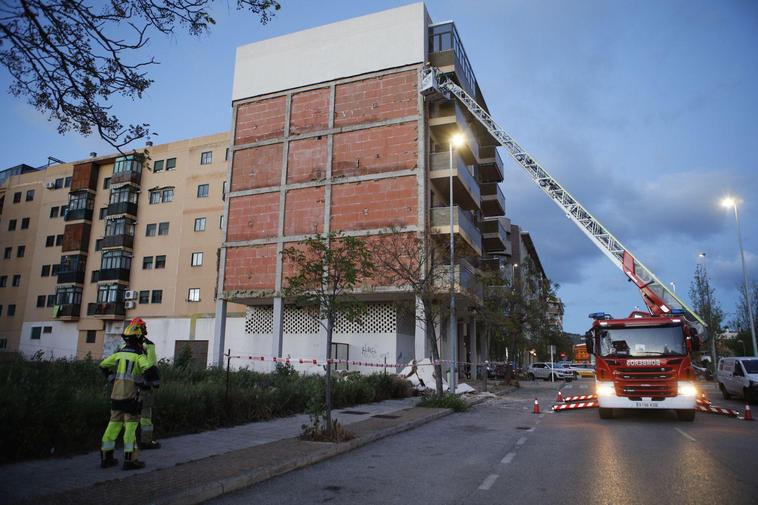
579	398
717	410
573	406
322	362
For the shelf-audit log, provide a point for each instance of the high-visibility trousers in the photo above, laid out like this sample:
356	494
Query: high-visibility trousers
122	419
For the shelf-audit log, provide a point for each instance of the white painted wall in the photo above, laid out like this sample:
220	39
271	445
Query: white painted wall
60	343
386	39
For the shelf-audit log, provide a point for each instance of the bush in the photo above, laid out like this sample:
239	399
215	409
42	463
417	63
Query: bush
454	402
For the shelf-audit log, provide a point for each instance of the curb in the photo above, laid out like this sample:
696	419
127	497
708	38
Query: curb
210	490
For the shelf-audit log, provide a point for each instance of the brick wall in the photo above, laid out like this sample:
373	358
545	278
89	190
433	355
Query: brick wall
260	120
375	150
385	97
257	167
374	204
304	211
309	111
306	160
250	267
253	217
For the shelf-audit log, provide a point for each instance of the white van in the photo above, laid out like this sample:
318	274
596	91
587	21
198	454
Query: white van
738	376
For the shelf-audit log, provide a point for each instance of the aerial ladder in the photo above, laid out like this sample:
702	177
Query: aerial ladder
660	300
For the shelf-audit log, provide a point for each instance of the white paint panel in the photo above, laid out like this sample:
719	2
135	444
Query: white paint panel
386	39
60	343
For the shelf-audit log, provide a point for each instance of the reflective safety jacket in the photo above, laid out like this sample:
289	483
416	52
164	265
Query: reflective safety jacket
126	367
151	377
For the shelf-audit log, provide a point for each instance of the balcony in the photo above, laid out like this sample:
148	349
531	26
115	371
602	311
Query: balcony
490	164
463	227
111	241
447	119
126	177
122	208
495	235
465	188
71	277
113	310
67	311
111	274
493	200
465	278
78	215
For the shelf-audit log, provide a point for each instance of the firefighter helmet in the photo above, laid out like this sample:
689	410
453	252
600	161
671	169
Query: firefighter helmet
138	321
133	330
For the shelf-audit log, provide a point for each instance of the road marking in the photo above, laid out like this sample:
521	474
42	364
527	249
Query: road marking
568	386
521	441
488	482
685	435
508	458
543	415
582	386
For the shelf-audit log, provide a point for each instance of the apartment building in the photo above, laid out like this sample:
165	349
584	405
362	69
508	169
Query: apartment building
330	133
89	244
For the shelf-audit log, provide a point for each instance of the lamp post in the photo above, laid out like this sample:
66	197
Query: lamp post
730	202
712	331
455	141
673	286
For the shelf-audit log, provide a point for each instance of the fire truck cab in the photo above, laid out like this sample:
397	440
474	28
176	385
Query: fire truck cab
643	362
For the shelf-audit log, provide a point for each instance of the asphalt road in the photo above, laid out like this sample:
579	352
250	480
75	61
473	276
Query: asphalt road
500	452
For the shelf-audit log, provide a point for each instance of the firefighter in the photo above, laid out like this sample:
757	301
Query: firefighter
125	368
151	381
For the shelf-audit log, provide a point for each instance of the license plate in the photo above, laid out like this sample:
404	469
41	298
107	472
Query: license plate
646	405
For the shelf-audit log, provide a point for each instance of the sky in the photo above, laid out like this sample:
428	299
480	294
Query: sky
645	111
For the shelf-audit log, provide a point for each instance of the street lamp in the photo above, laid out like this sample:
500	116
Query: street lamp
456	141
730	202
712	331
673	286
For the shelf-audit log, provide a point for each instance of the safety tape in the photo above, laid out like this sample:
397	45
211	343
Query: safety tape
574	406
579	398
701	401
322	362
717	410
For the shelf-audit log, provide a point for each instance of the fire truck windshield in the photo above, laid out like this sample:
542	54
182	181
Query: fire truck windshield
641	341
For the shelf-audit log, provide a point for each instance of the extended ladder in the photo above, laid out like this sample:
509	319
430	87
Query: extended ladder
658	298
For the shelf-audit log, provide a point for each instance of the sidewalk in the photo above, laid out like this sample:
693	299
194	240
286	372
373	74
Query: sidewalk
193	468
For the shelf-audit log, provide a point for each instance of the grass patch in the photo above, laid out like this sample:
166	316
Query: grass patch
454	402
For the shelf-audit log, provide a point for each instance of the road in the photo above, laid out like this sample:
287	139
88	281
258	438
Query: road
499	452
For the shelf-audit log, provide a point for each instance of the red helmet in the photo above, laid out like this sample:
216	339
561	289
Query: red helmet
139	322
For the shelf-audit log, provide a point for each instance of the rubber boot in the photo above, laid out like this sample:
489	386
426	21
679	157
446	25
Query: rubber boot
146	446
132	464
107	460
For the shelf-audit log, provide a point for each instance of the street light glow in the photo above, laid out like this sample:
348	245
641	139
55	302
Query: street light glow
457	140
729	202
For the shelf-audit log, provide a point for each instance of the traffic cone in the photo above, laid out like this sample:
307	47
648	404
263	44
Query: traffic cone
704	398
748	413
536	406
559	398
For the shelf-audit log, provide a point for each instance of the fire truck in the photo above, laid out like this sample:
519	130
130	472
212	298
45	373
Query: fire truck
642	361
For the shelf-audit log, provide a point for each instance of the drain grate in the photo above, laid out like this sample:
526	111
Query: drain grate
354	412
386	416
523	428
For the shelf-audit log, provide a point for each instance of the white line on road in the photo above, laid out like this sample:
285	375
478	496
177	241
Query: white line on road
508	458
568	386
487	484
521	441
685	435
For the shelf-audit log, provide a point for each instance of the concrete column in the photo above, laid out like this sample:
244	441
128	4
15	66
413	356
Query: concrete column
277	339
474	351
421	346
219	334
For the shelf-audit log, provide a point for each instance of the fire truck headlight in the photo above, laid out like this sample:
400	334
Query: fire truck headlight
687	389
605	389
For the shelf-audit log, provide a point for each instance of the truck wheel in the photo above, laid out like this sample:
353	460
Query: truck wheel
530	376
724	392
686	415
605	413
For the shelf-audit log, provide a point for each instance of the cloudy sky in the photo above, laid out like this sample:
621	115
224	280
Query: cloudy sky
646	111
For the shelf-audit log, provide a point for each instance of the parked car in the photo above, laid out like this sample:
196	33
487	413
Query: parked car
545	371
738	376
584	369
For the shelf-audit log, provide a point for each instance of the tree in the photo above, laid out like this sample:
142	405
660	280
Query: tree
69	59
743	343
703	299
328	271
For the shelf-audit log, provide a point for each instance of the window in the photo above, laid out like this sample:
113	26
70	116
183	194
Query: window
221	222
98	244
58	183
202	191
67	182
11	310
155	196
64	209
45	270
30	195
12	224
103	212
20	251
47	329
167	195
124	194
226	154
50	300
59	239
206	158
131	163
116	259
55	268
1	310
54	211
144	296
193	295
16	282
171	164
17	197
107	183
3	281
41	300
120	226
7	253
160	261
150	230
110	293
3	341
24	223
199	224
223	191
158	166
91	336
36	332
197	259
162	228
147	263
50	241
157	296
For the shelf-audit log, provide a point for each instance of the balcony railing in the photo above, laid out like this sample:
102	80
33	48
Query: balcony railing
463	225
495	235
71	277
117	241
127	176
490	164
493	200
111	274
448	119
465	278
68	310
78	214
113	309
465	188
120	208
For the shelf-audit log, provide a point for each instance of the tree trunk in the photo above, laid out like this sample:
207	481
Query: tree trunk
429	322
328	384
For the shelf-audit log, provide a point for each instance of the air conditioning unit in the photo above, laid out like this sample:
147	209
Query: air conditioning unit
130	304
50	185
130	295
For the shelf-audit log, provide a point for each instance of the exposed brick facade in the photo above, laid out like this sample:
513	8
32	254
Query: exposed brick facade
250	268
375	150
260	120
309	111
374	204
306	160
304	211
257	167
253	217
385	97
